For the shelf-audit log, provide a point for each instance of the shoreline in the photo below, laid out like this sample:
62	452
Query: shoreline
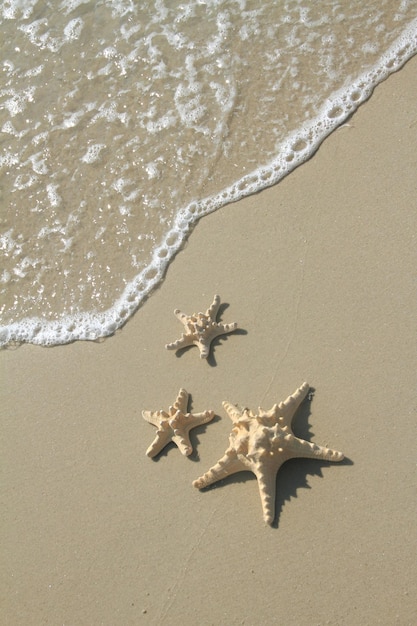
318	273
298	148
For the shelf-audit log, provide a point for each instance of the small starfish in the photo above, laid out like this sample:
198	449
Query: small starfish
201	329
175	425
261	444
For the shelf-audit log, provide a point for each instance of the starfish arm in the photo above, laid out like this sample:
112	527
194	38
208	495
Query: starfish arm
267	490
181	430
213	308
233	412
221	329
229	464
204	342
162	438
153	417
200	418
307	450
183	342
183	443
181	402
183	317
285	411
204	348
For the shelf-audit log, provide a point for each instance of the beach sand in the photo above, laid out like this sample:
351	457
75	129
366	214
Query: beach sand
318	273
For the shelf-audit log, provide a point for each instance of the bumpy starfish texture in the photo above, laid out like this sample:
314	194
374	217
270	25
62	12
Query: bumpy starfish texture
261	444
175	425
201	329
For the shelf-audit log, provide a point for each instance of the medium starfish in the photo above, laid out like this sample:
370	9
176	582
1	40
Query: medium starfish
261	444
201	329
175	425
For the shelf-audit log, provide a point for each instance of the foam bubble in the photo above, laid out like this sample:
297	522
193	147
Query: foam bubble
153	170
93	153
8	159
17	103
38	162
13	8
73	29
53	196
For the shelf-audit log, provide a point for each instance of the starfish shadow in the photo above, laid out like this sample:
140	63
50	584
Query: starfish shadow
221	338
195	437
181	351
164	452
241	477
211	360
294	473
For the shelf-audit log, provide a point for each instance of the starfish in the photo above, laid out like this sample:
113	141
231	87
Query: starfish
175	425
201	329
261	443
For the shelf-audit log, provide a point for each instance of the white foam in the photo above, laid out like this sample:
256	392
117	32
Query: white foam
12	8
68	6
8	244
17	103
8	159
53	196
73	29
5	277
73	119
38	162
93	153
153	170
34	71
25	181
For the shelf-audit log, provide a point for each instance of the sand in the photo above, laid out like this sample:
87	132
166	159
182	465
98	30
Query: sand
318	272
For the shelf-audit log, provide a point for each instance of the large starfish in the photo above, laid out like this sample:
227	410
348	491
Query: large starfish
175	425
261	444
200	329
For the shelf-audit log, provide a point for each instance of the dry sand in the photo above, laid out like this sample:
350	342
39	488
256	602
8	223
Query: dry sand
319	273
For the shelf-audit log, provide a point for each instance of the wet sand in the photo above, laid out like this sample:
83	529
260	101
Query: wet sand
318	273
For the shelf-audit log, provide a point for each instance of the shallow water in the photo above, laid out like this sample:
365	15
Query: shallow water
122	123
